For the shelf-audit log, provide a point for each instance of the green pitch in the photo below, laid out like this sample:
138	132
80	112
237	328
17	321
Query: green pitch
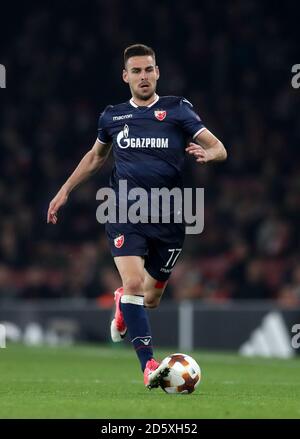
106	382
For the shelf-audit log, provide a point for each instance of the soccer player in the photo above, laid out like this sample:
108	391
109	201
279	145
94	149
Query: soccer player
148	135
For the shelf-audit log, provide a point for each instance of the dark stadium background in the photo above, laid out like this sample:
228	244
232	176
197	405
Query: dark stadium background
233	60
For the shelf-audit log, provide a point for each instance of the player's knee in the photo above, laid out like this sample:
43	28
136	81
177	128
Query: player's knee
133	284
151	301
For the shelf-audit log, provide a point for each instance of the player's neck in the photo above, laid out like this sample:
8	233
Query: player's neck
143	103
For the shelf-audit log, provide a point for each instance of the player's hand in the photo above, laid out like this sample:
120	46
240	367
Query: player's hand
58	201
201	155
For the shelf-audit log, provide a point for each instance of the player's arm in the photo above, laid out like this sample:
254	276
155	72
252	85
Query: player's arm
207	148
90	163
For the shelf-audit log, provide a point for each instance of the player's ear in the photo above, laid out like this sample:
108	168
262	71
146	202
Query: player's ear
157	72
125	76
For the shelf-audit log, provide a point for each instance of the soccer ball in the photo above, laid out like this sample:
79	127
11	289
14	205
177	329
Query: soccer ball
184	375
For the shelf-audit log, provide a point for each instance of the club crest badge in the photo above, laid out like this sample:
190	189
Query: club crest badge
160	114
119	241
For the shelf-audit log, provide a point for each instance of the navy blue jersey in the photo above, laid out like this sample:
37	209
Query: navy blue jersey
149	142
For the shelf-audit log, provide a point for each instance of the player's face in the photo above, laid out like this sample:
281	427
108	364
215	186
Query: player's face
141	74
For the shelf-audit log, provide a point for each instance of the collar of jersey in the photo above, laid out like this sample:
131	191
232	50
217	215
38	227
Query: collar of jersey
148	106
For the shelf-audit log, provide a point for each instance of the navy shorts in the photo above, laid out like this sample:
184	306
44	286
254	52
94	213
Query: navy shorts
159	244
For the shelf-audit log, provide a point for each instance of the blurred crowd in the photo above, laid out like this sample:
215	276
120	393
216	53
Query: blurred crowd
233	61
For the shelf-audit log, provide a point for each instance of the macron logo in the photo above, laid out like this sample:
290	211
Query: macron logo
124	116
144	340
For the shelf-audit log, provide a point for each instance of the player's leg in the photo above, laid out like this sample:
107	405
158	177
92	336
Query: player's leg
163	252
153	290
131	270
126	245
131	304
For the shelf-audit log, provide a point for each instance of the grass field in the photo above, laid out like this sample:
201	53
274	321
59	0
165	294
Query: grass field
105	382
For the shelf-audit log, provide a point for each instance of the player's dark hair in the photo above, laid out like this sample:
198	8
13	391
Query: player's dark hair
137	50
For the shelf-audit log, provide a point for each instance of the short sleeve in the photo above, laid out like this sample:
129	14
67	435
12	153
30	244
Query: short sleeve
103	134
190	120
